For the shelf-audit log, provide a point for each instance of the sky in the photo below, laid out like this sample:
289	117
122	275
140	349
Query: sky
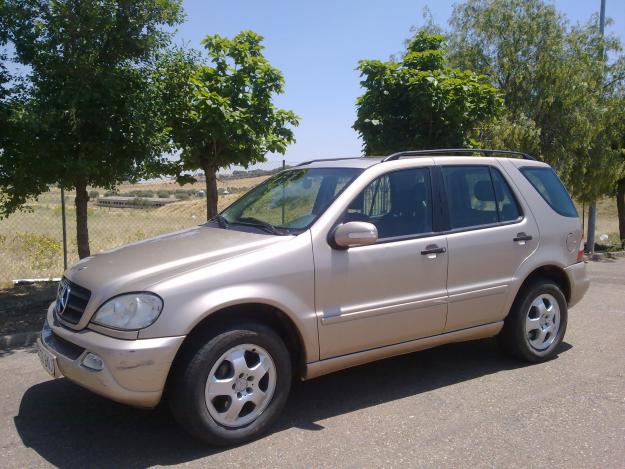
317	45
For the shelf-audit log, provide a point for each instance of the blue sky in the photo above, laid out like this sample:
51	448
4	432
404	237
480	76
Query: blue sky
317	45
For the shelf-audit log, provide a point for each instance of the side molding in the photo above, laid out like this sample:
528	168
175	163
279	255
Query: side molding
330	365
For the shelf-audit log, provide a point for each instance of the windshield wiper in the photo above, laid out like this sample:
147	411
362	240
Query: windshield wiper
222	222
268	227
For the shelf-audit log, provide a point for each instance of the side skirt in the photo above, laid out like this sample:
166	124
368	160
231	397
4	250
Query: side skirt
330	365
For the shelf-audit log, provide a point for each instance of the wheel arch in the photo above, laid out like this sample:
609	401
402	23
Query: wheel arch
551	272
230	316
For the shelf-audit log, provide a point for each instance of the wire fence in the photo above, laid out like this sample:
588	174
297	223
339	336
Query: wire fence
31	240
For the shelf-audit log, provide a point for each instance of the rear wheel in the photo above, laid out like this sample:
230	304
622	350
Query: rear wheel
232	388
537	322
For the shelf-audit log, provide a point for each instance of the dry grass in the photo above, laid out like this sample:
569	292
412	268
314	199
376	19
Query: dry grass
31	241
607	219
171	185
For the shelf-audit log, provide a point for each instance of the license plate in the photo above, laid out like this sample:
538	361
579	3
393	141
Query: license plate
48	361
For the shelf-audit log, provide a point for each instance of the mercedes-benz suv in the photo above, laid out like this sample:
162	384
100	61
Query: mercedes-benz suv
327	265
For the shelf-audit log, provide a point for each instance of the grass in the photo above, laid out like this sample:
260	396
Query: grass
31	241
607	220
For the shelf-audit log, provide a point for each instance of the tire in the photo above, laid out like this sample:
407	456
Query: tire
536	324
221	414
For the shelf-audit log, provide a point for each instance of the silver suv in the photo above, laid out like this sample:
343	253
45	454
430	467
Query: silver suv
328	265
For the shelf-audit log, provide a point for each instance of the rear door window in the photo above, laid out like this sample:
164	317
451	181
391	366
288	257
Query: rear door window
470	196
549	186
478	195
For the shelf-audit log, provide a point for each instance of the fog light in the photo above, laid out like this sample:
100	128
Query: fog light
93	362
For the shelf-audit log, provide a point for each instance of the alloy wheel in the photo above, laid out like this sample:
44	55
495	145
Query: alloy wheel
240	385
542	322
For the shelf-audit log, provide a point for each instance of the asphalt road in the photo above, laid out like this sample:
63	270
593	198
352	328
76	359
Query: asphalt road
462	405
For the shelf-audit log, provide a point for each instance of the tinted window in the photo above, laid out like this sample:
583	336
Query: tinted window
548	185
506	203
470	196
398	204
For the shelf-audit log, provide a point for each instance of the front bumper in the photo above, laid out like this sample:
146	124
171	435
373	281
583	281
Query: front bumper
134	371
578	280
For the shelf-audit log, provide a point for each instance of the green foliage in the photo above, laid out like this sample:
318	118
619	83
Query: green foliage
417	102
87	113
93	195
560	93
222	110
140	193
163	194
507	132
4	75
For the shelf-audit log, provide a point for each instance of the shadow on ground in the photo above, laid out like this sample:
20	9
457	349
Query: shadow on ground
70	427
29	348
23	308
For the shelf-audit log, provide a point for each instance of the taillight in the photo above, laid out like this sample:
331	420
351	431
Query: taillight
580	252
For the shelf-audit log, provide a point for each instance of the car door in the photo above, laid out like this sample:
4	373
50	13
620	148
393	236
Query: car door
490	236
392	291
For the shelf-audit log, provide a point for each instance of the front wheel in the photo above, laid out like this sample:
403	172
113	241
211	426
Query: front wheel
537	322
234	386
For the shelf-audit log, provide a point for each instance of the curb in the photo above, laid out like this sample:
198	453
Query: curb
21	339
597	256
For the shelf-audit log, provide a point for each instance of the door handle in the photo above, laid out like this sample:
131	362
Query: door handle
522	237
433	250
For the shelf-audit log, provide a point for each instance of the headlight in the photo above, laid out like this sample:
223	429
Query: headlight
129	312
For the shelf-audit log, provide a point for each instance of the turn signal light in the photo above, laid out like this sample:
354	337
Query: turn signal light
580	253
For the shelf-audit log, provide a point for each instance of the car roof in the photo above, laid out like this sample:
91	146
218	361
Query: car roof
354	162
364	162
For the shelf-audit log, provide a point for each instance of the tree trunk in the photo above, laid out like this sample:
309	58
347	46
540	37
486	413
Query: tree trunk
620	206
210	174
82	230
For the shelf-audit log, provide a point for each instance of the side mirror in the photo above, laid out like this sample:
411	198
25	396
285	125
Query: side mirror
355	233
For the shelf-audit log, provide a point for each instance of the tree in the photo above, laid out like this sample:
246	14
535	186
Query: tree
617	131
507	132
417	102
4	76
87	104
552	80
223	112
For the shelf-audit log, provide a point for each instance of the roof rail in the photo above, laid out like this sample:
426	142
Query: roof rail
329	159
451	151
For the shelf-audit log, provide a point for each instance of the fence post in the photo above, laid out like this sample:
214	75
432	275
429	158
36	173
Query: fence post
64	229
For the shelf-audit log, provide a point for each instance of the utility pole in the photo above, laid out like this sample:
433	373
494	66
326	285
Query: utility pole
592	209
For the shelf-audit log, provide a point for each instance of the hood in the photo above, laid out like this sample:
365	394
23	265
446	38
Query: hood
140	264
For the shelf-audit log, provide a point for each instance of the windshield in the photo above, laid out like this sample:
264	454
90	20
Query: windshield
291	201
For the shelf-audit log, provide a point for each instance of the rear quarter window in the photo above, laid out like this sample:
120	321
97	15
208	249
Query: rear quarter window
549	186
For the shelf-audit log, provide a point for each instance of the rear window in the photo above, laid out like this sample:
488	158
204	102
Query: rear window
549	186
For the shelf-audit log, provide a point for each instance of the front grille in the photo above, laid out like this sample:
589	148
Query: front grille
75	301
